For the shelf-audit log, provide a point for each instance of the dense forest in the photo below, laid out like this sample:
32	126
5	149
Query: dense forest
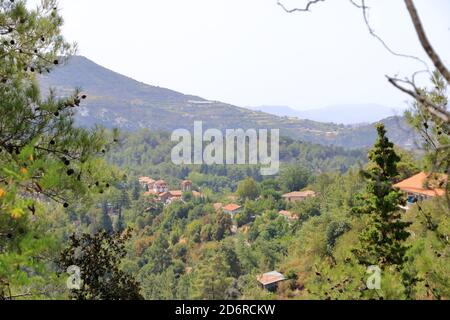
76	221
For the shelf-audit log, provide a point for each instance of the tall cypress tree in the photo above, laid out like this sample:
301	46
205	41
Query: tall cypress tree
382	241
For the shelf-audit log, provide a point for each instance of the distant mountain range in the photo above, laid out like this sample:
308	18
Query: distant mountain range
117	101
342	114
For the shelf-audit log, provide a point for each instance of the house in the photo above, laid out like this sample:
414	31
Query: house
186	185
299	196
232	209
147	183
160	186
165	196
269	281
290	216
423	186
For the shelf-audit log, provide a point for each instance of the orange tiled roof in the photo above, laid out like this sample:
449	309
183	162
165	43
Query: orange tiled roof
270	277
300	194
231	207
146	180
186	182
416	184
176	193
160	183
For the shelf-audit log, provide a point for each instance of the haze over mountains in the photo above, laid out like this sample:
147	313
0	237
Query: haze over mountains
115	100
345	114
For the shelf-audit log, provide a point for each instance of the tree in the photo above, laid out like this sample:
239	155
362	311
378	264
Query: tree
248	189
382	241
42	154
294	178
119	222
98	258
159	256
105	220
213	280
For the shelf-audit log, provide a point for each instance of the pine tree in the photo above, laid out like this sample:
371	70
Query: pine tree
105	221
382	241
42	153
119	222
213	279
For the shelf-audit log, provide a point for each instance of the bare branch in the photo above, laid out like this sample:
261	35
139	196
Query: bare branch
425	42
365	11
305	9
438	111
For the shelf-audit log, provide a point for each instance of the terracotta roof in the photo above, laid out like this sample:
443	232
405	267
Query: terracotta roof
270	277
146	180
416	184
300	194
288	215
186	182
165	194
160	183
232	207
176	193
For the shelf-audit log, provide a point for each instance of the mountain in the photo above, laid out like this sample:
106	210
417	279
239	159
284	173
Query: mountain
115	100
345	114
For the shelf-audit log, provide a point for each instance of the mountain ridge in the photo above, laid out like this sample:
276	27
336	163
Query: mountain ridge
115	100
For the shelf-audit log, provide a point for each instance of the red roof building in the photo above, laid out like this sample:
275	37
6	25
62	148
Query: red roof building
270	280
423	186
299	196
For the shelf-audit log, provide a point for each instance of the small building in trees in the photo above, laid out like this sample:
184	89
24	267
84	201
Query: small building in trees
269	281
298	196
290	216
186	186
147	183
423	186
232	209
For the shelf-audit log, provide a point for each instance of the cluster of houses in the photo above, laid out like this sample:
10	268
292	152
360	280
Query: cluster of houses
160	191
417	188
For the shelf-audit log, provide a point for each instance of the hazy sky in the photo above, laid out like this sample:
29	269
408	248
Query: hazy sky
250	52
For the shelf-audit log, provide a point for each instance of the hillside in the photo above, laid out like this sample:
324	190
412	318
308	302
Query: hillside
115	100
346	114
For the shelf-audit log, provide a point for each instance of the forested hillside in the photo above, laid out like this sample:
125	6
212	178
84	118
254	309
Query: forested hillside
90	213
116	101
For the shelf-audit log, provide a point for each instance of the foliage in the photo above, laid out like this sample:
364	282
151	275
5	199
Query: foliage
98	258
382	241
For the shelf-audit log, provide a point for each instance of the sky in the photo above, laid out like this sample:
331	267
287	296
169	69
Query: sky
251	52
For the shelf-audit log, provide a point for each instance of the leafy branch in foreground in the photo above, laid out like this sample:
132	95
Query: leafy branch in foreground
98	258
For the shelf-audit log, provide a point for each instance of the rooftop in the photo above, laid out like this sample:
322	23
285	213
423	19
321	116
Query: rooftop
270	277
300	194
232	207
418	184
288	214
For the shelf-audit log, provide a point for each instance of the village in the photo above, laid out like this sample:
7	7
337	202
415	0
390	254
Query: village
417	188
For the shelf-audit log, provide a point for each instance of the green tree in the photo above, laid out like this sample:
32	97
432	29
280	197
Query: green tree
382	240
213	280
98	258
294	178
105	219
42	154
248	189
